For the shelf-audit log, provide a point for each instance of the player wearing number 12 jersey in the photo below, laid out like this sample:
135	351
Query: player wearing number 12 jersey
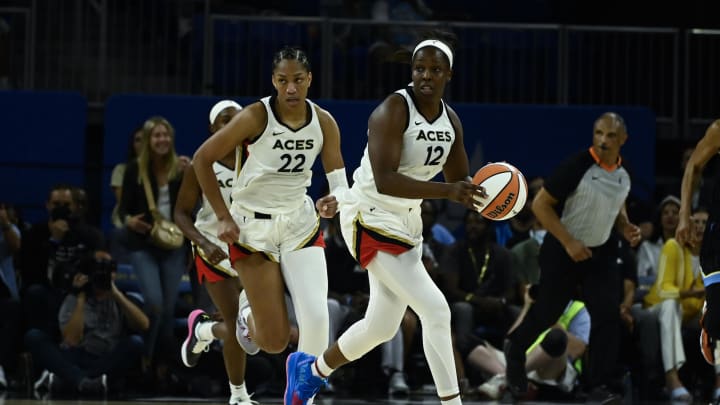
412	136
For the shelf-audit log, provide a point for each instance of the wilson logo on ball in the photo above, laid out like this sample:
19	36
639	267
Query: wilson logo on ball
499	209
506	189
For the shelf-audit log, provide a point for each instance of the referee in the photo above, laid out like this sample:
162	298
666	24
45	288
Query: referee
579	205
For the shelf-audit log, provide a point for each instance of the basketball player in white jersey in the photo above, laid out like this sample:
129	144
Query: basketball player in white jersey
212	265
412	136
272	227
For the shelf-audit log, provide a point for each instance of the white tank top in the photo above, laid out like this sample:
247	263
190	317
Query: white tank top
275	167
424	151
206	221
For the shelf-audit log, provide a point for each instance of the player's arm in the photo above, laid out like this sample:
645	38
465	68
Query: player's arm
248	122
706	148
333	164
331	154
187	200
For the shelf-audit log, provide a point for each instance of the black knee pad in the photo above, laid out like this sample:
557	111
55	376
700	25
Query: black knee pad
555	343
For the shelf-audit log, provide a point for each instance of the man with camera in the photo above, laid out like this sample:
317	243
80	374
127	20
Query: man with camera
97	322
49	255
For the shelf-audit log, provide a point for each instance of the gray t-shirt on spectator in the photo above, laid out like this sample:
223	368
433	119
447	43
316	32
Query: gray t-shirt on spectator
103	323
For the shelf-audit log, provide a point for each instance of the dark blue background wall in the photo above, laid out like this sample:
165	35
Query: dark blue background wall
43	143
44	134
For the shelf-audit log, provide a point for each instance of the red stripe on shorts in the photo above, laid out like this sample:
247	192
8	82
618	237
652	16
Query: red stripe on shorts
369	243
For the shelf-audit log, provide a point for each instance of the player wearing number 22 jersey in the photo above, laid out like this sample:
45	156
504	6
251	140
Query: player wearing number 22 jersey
275	168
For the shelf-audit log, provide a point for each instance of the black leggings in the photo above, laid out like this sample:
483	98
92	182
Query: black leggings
712	314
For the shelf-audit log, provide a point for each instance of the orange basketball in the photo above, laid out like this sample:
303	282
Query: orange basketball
506	189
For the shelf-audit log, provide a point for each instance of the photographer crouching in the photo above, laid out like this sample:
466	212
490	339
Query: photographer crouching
97	322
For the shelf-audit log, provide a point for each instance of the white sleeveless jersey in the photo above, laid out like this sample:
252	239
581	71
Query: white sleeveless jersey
206	221
424	151
275	167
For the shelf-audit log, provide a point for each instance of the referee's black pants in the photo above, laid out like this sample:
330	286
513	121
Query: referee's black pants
597	282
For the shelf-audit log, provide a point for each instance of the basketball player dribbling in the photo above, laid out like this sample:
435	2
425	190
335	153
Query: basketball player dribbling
412	136
212	266
271	227
706	148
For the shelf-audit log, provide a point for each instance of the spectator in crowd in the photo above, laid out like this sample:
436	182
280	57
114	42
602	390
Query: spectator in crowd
10	242
648	253
677	298
99	327
554	359
118	172
10	318
49	255
159	271
478	281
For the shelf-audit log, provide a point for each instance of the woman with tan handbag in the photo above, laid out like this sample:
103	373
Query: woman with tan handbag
156	249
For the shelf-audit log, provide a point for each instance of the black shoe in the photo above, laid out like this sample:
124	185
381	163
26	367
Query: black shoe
601	395
516	376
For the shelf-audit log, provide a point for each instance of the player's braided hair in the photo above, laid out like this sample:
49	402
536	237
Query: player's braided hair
292	53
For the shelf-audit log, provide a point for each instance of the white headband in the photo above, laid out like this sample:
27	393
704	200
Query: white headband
220	106
437	44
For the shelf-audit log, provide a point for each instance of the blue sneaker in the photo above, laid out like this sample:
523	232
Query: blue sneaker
301	383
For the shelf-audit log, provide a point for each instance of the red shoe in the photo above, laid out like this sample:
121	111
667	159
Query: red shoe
707	343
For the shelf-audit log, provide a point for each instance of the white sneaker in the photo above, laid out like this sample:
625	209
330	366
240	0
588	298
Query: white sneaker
242	333
494	387
397	384
243	401
44	383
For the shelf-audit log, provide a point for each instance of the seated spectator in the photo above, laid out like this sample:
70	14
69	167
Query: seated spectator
94	319
435	234
648	252
49	255
478	280
555	359
677	298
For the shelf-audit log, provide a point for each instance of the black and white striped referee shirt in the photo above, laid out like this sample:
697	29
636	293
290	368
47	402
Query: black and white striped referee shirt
590	196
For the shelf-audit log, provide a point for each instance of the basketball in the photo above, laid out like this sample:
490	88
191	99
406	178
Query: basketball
506	189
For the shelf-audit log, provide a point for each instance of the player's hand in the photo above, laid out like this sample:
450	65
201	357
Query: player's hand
228	231
682	233
468	194
578	251
632	234
213	253
327	206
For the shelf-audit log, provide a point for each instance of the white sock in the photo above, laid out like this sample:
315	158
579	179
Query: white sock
204	331
320	368
238	391
453	401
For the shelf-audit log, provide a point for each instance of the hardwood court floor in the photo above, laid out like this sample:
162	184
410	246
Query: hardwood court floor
419	400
